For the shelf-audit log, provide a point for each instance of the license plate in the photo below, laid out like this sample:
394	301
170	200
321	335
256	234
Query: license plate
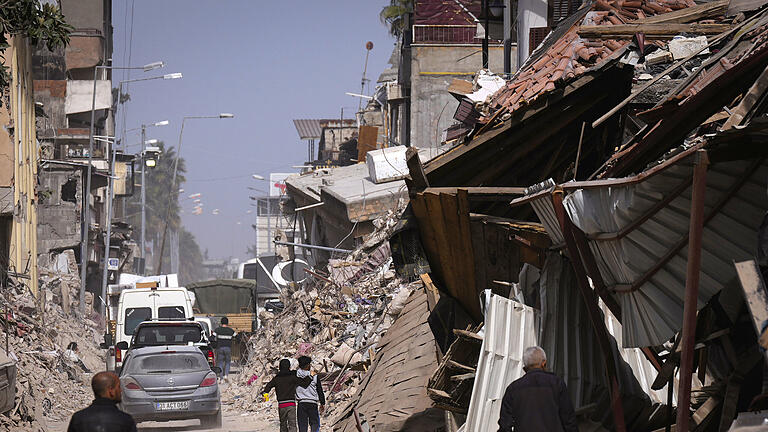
172	406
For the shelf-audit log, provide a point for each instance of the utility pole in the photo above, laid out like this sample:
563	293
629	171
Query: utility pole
269	222
143	199
485	36
108	238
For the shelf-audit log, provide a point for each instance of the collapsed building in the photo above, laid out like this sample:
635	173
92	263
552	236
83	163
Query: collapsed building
606	203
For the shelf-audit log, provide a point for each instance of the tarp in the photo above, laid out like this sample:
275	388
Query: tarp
224	296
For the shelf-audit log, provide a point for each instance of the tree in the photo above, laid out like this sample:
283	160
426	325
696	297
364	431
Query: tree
158	202
393	15
31	19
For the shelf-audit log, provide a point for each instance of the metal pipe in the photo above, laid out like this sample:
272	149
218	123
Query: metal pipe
307	207
695	231
306	246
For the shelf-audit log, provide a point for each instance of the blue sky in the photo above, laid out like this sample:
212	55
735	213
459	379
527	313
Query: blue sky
267	62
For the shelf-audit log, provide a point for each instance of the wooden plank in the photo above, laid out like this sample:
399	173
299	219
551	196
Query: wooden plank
689	14
466	334
754	292
417	179
468	254
482	193
433	294
463	377
456	365
651	31
752	97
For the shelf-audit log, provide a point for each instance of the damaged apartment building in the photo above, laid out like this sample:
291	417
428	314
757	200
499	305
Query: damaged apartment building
606	202
64	93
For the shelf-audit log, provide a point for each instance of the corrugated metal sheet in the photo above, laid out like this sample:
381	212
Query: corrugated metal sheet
652	309
573	353
509	328
309	128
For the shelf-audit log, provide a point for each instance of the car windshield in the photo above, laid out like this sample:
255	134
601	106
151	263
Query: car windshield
168	362
150	335
171	312
135	316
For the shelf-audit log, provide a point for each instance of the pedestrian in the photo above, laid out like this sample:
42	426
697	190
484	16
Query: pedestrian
309	398
285	383
103	415
224	335
538	401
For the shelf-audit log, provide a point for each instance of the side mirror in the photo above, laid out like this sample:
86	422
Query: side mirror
216	369
122	346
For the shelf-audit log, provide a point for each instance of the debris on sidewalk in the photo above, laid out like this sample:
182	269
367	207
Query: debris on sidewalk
55	353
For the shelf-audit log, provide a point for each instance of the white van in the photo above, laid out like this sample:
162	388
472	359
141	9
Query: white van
141	304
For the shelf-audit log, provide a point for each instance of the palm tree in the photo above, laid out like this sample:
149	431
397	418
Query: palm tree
394	14
158	203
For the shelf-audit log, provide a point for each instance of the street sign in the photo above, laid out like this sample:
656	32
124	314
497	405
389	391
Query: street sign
113	263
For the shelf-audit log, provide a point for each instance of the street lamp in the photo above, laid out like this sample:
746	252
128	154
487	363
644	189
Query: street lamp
173	179
86	212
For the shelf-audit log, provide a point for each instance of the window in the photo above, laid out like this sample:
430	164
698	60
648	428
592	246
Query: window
134	316
171	313
167	363
164	334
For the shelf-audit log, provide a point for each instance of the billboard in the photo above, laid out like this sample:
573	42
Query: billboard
277	183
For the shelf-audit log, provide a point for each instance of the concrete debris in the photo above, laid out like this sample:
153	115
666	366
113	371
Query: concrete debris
54	352
682	47
337	318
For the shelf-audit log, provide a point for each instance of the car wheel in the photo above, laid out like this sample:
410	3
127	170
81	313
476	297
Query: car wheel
212	422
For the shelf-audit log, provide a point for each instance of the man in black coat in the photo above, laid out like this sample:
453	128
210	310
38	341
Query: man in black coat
538	401
102	415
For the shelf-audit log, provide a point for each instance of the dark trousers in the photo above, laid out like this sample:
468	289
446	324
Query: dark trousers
308	415
223	358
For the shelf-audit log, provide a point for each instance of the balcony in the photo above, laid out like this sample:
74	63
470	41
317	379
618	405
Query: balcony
444	34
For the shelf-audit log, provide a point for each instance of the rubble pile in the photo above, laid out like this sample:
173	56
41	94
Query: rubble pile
337	318
55	353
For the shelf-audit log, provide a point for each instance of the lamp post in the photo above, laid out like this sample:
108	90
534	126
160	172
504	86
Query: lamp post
86	206
269	216
173	180
144	142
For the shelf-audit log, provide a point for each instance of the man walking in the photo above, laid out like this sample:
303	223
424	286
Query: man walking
308	398
224	335
285	383
538	401
103	415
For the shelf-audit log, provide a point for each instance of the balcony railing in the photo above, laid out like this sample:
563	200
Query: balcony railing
444	34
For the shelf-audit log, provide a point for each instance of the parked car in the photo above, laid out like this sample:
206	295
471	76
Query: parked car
170	382
160	333
7	383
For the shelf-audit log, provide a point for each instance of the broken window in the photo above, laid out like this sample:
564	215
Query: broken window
69	191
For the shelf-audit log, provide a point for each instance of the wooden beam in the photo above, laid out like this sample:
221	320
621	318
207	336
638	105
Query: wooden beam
693	273
750	99
651	31
689	14
417	179
482	193
755	293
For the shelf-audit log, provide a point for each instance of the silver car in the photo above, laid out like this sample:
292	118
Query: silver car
170	382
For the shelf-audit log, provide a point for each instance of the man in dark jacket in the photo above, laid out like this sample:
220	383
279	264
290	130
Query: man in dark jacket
102	415
285	383
224	334
538	401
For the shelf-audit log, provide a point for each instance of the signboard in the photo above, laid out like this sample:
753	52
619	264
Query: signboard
277	183
113	263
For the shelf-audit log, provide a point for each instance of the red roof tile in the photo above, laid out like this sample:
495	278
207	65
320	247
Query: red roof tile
571	55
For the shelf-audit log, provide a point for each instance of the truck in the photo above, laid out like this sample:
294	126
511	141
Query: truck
236	299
